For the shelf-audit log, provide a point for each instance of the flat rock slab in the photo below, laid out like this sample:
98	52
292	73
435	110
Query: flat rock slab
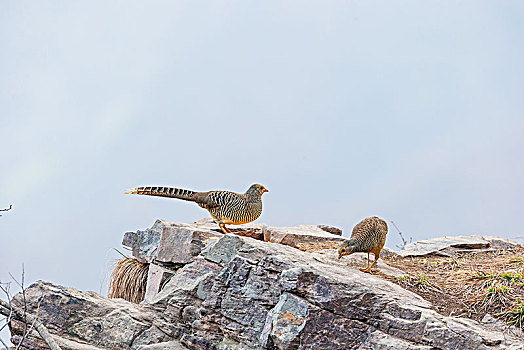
451	245
302	234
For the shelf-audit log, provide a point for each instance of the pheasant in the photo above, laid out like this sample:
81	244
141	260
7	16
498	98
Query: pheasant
225	207
368	236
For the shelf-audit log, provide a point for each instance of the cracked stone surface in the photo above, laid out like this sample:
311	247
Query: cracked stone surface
244	293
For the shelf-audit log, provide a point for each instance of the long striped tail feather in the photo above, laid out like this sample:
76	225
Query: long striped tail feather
161	191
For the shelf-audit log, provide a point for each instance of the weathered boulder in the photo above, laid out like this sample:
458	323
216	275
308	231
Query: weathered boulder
87	320
243	293
451	245
169	245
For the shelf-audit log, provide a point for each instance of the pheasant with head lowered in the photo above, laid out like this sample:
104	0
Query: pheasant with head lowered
368	236
225	207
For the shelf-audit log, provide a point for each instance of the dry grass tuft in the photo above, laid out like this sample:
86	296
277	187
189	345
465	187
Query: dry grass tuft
129	280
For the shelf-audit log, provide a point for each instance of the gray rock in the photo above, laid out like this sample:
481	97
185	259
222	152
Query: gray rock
295	235
356	261
331	229
243	293
170	345
86	320
332	297
180	245
252	229
450	245
169	242
144	244
156	275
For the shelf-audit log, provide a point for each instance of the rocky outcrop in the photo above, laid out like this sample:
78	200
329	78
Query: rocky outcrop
238	292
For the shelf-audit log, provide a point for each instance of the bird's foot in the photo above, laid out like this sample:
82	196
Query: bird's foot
225	229
368	270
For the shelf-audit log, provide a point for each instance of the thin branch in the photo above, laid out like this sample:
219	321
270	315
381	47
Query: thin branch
4	344
8	318
40	328
7	209
30	330
30	321
26	331
404	242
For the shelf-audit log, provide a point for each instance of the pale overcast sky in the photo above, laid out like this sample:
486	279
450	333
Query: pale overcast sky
411	110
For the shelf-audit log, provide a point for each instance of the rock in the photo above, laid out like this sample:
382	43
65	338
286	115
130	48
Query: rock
451	245
388	253
90	320
331	229
169	242
358	260
243	293
156	276
168	245
252	229
170	345
144	244
298	235
178	243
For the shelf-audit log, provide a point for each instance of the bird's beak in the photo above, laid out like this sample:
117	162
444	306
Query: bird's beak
265	190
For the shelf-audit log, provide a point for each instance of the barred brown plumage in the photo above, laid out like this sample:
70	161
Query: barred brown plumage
368	236
225	207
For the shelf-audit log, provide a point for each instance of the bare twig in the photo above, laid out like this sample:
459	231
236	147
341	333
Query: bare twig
7	209
4	344
24	303
401	237
6	291
21	315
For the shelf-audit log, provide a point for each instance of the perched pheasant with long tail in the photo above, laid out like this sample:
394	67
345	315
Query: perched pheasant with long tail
225	207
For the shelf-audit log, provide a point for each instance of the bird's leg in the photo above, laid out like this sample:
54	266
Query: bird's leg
367	268
224	228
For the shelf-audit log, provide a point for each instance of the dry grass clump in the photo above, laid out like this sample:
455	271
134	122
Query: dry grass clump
469	284
129	280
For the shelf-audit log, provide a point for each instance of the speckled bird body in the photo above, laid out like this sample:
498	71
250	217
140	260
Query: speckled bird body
368	236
